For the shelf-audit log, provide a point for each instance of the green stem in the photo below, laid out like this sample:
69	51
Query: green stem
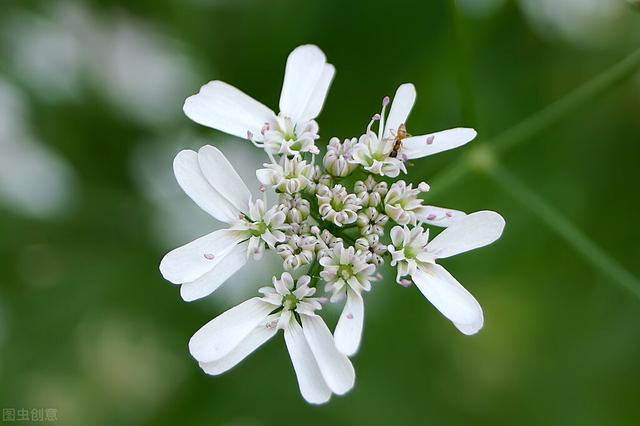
313	273
475	158
558	110
463	68
589	250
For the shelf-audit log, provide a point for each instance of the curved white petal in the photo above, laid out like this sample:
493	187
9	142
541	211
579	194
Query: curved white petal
467	233
217	338
316	102
306	81
223	178
258	336
193	183
450	298
348	332
229	264
336	368
439	216
310	381
422	146
401	106
221	106
193	260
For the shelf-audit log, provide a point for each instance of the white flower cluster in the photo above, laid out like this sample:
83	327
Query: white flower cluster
335	222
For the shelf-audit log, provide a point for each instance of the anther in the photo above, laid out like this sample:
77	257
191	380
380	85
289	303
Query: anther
405	282
350	315
430	139
314	149
376	117
249	135
385	101
209	256
431	216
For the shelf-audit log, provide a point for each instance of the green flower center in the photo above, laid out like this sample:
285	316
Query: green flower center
290	302
258	228
345	271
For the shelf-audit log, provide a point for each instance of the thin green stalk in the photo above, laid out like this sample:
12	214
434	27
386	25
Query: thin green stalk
589	250
537	123
463	67
558	110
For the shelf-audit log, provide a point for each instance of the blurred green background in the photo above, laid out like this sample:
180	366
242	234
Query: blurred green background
90	118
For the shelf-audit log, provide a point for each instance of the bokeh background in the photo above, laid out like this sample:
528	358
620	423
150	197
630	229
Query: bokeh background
90	118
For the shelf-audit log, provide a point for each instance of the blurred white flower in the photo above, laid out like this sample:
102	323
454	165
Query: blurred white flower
584	23
415	256
44	53
306	82
34	180
138	68
232	336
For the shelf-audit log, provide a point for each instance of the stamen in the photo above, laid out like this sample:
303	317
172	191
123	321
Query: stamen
430	139
375	118
385	102
209	256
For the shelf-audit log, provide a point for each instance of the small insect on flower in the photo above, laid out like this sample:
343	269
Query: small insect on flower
400	135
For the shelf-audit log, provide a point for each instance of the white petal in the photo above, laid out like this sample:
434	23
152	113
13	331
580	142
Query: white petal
422	146
401	106
348	331
217	338
209	282
305	78
467	233
450	298
223	178
439	216
221	106
258	336
314	106
334	365
310	381
193	260
193	183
